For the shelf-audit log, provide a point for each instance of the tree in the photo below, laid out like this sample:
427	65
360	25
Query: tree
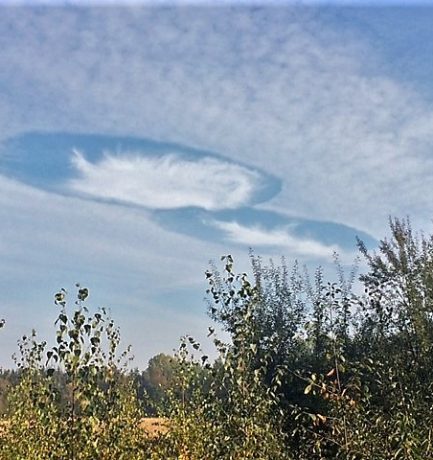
98	415
156	381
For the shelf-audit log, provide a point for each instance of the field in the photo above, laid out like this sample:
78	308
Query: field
3	427
152	426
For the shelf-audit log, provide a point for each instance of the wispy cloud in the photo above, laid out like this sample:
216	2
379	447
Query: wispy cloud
257	237
275	88
167	181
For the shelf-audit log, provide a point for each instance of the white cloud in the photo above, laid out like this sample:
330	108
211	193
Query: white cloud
257	236
167	181
270	87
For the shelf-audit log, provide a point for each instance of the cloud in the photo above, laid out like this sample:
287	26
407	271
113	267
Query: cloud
276	88
167	181
257	236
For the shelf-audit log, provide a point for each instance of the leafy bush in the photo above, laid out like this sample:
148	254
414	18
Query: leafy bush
98	417
226	410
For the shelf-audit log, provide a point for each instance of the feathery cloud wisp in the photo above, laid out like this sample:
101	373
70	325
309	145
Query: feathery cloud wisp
167	181
281	237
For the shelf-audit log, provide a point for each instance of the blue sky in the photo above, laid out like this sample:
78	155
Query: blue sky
139	142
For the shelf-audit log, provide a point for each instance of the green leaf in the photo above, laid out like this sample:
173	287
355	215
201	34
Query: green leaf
308	389
59	297
83	293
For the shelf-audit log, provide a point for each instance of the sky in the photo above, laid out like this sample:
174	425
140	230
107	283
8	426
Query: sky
139	141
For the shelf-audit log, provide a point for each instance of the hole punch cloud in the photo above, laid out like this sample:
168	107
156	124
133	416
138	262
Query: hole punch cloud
167	181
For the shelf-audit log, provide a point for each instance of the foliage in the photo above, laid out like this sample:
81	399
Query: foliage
311	371
357	368
378	389
155	382
99	416
226	411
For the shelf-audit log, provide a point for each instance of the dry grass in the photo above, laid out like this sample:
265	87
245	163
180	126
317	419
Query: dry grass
154	426
3	427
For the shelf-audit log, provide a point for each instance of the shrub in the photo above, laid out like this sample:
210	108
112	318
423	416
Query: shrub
226	410
99	414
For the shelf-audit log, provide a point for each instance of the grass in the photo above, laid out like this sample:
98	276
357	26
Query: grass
153	427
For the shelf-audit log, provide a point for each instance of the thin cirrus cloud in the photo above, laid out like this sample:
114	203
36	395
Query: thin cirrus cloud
167	181
307	94
257	236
